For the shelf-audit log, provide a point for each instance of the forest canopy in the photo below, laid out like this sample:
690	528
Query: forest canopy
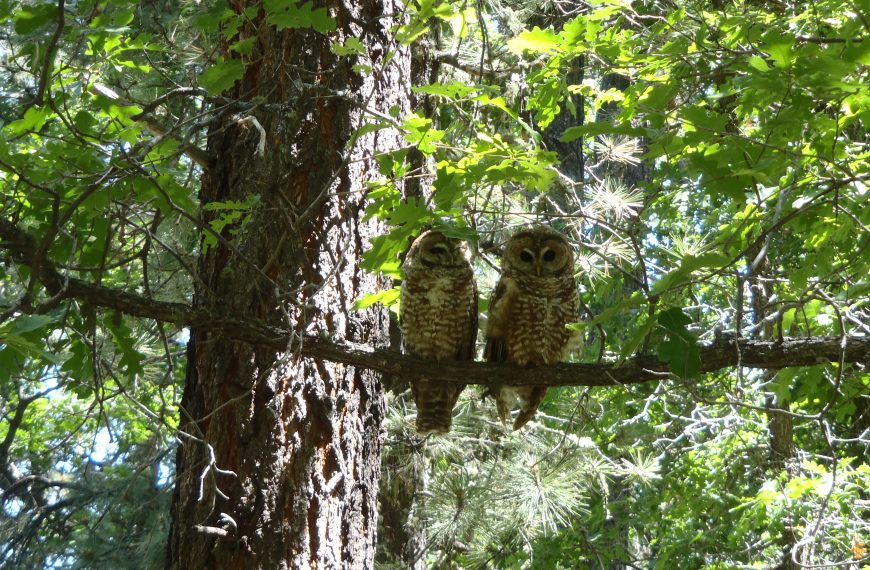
707	161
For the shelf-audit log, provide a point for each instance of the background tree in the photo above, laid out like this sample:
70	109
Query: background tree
197	196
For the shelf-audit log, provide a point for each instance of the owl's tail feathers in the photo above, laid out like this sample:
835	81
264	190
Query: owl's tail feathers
434	424
503	402
435	404
530	400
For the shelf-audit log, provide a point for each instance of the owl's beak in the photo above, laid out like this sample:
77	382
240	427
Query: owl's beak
538	268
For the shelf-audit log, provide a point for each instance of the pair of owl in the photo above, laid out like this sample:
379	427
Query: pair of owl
535	297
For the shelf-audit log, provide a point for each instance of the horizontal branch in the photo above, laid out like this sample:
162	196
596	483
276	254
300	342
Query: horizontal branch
721	353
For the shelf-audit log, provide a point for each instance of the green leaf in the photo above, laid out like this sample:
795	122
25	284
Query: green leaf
680	349
611	312
384	252
456	231
387	298
409	213
94	247
433	9
535	40
79	365
28	323
366	129
245	46
628	347
781	384
209	21
419	131
34	119
85	122
14	335
601	128
222	76
780	47
699	117
321	21
857	51
452	89
448	188
689	264
131	359
28	348
284	14
351	46
657	97
30	19
499	103
758	63
233	213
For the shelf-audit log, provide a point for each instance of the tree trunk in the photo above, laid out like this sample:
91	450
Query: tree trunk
280	465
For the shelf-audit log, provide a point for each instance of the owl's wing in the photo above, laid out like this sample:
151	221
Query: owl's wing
468	349
498	320
495	350
496	340
404	295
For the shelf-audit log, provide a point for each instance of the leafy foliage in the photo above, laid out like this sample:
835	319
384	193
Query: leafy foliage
734	143
89	398
722	152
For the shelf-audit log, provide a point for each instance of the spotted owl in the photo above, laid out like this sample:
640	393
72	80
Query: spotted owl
439	320
535	297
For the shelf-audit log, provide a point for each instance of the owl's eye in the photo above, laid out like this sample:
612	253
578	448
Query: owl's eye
549	255
438	250
527	256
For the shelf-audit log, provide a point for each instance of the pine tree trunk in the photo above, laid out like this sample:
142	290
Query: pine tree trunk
281	466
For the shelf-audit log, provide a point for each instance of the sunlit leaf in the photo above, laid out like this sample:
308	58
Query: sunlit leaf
285	14
535	40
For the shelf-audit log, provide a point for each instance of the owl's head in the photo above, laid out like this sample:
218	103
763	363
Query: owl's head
434	249
539	251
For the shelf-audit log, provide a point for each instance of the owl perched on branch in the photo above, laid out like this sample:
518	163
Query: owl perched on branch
535	297
439	320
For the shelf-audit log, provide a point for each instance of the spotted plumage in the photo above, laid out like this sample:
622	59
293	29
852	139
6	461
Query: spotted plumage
439	320
535	297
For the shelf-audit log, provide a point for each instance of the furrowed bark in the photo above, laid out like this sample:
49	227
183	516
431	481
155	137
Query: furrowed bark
284	469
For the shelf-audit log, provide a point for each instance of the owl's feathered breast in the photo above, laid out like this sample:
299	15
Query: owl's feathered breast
539	311
439	310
